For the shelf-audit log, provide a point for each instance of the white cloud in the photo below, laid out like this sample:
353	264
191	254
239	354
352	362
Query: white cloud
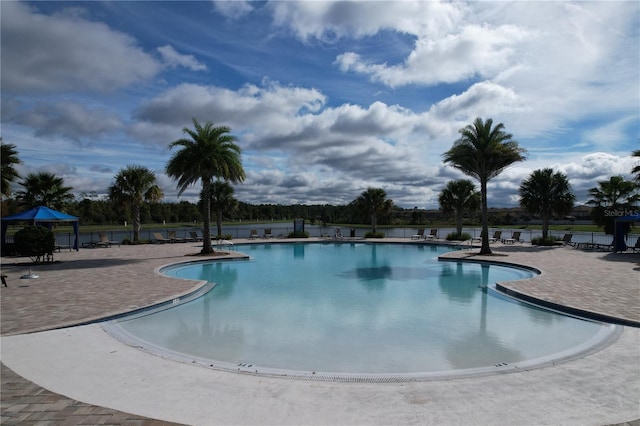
66	52
474	51
233	9
329	20
173	59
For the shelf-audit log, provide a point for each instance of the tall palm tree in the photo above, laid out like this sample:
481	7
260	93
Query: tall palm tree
458	197
134	185
44	189
546	193
373	201
222	200
209	153
612	198
8	159
483	151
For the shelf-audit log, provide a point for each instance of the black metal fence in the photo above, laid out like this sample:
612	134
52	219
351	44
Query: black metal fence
282	230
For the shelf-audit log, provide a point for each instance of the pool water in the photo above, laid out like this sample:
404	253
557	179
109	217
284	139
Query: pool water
357	309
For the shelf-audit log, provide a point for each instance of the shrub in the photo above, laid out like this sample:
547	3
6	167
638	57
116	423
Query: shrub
549	241
298	234
227	237
34	242
371	234
454	236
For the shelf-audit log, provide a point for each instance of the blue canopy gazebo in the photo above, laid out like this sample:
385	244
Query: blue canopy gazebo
621	227
43	216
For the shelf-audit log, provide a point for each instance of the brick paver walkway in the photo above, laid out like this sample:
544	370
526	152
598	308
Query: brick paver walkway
94	283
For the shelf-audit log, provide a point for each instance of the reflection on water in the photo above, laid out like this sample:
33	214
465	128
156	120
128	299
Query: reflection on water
277	311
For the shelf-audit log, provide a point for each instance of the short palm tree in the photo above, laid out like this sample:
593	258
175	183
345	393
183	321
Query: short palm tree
222	200
44	189
8	158
483	151
134	185
374	202
612	198
209	153
546	193
459	197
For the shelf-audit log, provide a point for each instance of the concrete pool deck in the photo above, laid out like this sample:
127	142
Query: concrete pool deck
111	379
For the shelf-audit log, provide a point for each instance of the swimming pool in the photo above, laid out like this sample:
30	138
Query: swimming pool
357	311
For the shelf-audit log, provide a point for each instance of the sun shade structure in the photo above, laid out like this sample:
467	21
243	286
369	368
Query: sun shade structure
43	216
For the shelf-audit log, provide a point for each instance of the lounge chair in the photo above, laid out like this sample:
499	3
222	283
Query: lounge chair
174	238
635	248
253	234
419	235
104	241
566	240
496	237
195	236
515	237
160	239
604	247
222	242
433	234
267	233
338	234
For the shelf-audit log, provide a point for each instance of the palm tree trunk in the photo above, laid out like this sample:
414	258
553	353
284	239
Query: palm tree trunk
459	222
485	249
374	223
206	232
135	212
219	222
545	226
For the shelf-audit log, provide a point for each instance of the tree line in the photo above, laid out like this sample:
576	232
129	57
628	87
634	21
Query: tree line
209	156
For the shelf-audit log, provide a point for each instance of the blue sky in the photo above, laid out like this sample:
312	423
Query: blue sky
325	98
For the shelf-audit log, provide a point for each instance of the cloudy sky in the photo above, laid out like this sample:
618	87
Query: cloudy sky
326	98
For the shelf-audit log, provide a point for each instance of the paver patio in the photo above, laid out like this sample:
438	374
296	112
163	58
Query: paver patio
93	283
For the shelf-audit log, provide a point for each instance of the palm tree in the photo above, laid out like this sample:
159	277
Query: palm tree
612	198
546	193
458	197
636	168
44	189
222	200
483	151
373	201
8	158
209	153
133	185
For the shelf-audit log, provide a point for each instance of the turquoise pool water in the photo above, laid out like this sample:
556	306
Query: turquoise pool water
357	309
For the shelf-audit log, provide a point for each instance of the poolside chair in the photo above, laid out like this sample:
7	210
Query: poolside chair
635	248
338	234
175	239
515	237
419	235
222	242
433	234
104	241
566	240
253	234
267	233
496	237
195	236
160	239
